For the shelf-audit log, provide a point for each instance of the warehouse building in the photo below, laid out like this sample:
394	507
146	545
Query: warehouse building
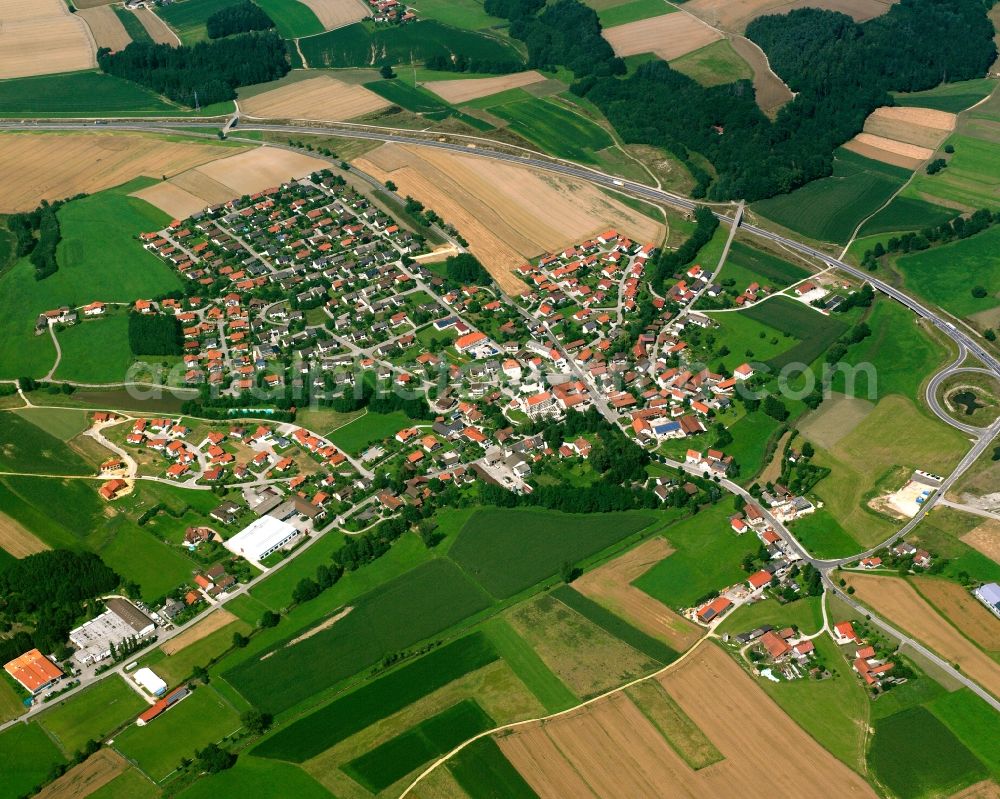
34	671
261	538
148	679
121	622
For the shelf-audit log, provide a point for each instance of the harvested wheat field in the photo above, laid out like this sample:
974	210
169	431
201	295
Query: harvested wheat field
985	538
41	37
461	91
610	585
215	620
669	36
226	178
987	789
903	606
319	99
105	26
735	15
770	91
337	13
888	151
923	127
610	749
50	166
507	213
86	778
18	541
962	609
156	27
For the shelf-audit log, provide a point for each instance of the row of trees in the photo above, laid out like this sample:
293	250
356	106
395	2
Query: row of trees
36	233
212	71
155	334
461	63
240	18
840	70
958	228
672	261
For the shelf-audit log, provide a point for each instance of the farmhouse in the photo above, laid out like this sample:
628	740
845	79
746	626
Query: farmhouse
843	633
261	538
33	671
713	610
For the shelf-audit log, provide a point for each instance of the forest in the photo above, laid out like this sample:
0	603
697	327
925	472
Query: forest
465	269
240	18
155	334
46	592
207	72
840	69
40	248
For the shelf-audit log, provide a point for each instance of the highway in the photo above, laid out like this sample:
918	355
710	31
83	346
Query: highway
483	148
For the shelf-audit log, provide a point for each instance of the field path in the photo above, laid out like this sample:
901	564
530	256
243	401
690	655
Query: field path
55	341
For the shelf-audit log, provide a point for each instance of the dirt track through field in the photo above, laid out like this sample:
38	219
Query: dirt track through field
461	91
50	166
336	13
202	629
963	610
507	213
321	99
610	749
610	585
86	778
42	37
669	36
18	541
107	29
985	538
895	599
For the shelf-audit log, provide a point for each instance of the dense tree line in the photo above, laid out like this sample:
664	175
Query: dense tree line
672	261
465	269
240	18
43	256
212	70
841	71
46	591
155	334
461	63
958	228
565	33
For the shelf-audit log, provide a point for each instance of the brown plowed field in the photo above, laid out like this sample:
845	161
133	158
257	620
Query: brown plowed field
770	91
987	789
216	620
963	610
87	777
337	13
888	151
107	29
923	127
226	178
461	91
506	212
156	27
985	538
610	749
611	586
51	166
321	99
735	15
41	37
18	541
903	606
669	36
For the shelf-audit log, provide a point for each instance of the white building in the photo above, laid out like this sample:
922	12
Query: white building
121	622
989	595
262	537
149	680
